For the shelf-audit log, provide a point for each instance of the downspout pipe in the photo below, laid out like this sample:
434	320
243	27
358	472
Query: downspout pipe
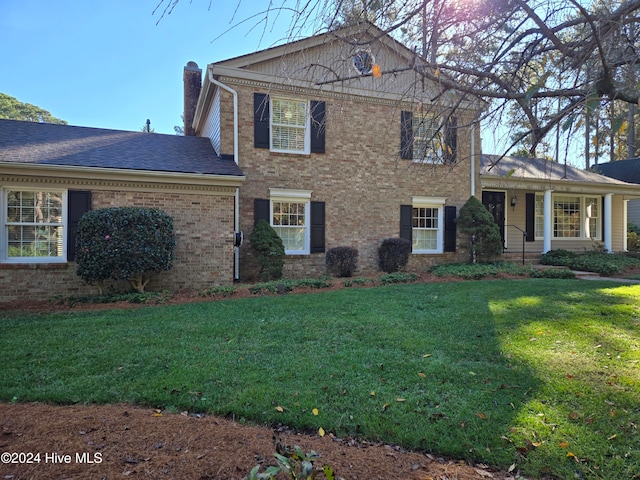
236	206
473	159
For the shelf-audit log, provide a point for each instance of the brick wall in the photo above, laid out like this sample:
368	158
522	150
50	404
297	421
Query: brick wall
360	177
204	248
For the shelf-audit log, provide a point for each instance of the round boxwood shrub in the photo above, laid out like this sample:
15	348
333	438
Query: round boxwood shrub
124	243
342	261
269	249
393	254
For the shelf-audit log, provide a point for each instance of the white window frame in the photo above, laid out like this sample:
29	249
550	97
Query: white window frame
307	126
583	221
433	203
4	234
293	196
435	138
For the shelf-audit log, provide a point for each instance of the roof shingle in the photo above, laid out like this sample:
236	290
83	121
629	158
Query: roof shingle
52	144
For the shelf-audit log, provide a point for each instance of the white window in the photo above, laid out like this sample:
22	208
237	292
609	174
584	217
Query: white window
290	125
290	219
427	138
34	225
574	217
427	224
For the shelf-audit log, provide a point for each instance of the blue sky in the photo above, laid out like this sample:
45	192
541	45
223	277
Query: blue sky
107	64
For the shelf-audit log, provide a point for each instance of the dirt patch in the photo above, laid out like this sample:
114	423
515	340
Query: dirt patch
123	441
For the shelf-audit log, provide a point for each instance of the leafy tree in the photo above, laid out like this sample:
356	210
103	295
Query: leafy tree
124	243
11	108
553	63
269	249
482	232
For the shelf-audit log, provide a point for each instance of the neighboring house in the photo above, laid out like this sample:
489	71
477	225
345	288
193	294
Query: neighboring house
342	144
51	174
627	171
553	206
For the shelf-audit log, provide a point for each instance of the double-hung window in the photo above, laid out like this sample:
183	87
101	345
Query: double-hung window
289	125
290	219
427	138
574	217
427	225
34	225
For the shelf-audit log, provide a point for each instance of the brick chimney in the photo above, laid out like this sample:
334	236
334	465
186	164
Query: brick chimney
192	85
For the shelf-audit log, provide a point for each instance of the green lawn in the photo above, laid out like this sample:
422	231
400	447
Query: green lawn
541	374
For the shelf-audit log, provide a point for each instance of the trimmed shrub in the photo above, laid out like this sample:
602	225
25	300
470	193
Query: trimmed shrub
559	257
393	254
269	249
124	243
342	261
481	230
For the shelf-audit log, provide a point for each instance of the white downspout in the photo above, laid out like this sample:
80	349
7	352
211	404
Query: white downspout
473	159
236	220
608	231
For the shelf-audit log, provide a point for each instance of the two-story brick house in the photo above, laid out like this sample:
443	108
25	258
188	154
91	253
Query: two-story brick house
342	144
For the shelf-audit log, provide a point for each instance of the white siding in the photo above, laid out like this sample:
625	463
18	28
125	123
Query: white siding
212	125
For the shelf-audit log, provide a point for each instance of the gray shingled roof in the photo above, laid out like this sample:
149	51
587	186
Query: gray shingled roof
52	144
625	170
539	169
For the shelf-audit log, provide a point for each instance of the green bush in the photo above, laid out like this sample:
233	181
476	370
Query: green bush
633	242
124	243
398	277
269	250
563	273
483	234
603	263
342	261
393	254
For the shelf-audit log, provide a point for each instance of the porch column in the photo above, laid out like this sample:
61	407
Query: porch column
624	225
607	223
548	222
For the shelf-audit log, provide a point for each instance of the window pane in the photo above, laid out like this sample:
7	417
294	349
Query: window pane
425	228
566	217
426	138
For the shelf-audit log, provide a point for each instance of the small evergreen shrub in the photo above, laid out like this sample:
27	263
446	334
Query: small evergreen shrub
563	273
393	254
483	234
342	261
559	257
124	243
269	249
398	277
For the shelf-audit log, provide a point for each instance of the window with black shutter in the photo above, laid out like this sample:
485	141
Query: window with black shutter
78	203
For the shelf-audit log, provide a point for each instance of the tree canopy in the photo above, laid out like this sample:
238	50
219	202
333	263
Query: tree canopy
545	65
13	109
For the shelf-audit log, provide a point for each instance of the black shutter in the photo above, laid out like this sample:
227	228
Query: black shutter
406	135
406	222
450	139
78	203
450	230
530	220
317	126
260	210
261	120
317	222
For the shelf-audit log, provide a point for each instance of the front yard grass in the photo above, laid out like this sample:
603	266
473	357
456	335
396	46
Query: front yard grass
538	375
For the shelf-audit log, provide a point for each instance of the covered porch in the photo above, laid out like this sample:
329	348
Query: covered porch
541	205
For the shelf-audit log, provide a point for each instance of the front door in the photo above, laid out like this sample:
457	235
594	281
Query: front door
494	202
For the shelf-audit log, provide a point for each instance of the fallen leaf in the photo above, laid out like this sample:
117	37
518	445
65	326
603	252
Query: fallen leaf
422	375
156	415
569	376
472	373
612	437
372	393
400	399
511	468
279	409
426	355
385	406
481	415
321	432
315	411
563	444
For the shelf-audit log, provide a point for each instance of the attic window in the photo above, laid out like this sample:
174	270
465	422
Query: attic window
363	62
